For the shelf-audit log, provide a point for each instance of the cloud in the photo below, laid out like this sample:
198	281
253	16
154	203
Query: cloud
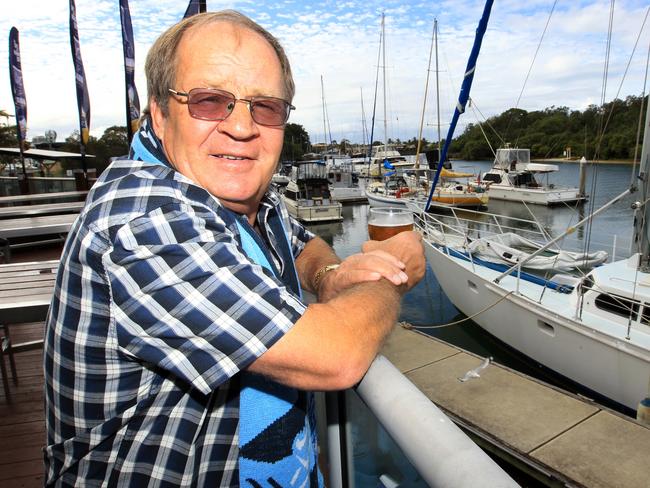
340	41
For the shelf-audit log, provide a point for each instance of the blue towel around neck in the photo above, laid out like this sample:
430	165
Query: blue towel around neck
278	446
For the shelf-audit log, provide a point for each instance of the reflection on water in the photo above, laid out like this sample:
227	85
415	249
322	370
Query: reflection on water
427	305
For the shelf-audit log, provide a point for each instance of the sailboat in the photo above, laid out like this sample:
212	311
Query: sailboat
591	326
386	156
412	186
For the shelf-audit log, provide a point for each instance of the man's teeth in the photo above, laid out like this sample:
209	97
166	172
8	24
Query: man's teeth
226	156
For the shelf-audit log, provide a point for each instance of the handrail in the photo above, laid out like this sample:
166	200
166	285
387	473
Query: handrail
440	451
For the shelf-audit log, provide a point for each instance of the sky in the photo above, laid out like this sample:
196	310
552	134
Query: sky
334	50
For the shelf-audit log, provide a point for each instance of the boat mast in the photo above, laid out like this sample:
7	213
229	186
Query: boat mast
468	77
641	240
435	30
374	102
426	91
322	91
383	32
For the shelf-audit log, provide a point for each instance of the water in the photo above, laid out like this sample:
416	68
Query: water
427	306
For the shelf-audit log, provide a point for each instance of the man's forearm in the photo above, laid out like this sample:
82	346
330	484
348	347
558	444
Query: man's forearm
316	254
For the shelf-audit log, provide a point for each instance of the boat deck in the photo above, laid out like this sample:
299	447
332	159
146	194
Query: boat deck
553	436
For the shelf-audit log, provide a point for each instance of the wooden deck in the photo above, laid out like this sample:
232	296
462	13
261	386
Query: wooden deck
22	423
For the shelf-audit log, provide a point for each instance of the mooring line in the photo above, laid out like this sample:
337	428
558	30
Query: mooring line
406	325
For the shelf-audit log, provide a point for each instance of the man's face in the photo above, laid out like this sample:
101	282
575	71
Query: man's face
234	159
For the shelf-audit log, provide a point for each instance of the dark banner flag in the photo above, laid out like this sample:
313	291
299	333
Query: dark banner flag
17	87
195	7
132	100
20	102
83	101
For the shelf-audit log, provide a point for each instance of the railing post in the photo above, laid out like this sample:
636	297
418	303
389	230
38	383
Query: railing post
335	440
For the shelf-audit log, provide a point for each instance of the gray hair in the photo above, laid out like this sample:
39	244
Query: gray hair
160	67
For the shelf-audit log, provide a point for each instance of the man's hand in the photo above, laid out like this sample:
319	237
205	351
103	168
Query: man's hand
399	259
406	247
362	267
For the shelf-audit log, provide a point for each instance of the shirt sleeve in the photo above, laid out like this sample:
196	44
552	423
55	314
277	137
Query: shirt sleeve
186	299
300	236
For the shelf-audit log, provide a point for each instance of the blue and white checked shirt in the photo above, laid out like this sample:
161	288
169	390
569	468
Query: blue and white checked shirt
155	310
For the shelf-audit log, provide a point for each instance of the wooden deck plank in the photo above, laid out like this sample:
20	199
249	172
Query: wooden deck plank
22	423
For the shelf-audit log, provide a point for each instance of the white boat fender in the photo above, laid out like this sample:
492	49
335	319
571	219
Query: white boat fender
475	373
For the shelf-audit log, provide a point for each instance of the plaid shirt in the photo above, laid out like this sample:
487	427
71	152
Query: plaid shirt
156	309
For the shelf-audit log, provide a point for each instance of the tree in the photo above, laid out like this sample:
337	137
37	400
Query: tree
296	142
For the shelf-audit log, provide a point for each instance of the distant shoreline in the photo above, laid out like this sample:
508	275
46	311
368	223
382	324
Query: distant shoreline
575	161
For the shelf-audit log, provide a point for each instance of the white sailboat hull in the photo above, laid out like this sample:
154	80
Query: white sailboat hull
599	357
540	196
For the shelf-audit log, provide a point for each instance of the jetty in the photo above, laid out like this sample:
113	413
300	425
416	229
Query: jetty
553	436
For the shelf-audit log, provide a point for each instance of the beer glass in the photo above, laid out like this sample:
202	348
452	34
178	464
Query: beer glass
385	222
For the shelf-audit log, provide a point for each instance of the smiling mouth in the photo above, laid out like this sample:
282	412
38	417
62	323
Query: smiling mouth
227	156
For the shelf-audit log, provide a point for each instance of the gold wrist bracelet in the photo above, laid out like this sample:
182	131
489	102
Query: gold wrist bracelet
321	272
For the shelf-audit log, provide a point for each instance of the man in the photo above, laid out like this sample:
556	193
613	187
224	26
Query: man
178	349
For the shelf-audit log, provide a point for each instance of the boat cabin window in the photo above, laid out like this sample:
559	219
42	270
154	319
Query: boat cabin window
492	177
618	305
525	179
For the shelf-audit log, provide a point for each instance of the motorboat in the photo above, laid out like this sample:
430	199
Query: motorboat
307	195
344	183
514	177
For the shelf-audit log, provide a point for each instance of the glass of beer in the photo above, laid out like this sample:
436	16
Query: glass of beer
385	222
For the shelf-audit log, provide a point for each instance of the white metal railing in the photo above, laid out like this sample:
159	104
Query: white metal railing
441	452
457	226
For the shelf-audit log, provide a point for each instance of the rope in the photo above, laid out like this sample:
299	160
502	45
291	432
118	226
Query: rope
406	325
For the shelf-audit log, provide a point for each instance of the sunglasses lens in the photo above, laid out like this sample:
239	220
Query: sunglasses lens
269	111
215	104
210	104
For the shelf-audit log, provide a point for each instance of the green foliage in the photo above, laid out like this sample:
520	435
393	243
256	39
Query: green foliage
547	133
296	142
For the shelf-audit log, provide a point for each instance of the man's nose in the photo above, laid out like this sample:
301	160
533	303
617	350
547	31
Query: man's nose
239	124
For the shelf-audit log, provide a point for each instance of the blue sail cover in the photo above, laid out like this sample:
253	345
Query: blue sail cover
132	99
464	92
17	87
195	7
83	100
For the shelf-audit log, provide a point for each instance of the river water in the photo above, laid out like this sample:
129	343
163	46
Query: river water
426	304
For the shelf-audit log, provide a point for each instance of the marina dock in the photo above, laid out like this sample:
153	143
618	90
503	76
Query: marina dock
558	438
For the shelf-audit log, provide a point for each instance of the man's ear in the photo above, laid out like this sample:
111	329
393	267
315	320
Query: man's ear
157	119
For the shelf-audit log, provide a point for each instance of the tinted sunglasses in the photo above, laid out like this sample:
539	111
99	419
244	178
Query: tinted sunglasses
215	104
